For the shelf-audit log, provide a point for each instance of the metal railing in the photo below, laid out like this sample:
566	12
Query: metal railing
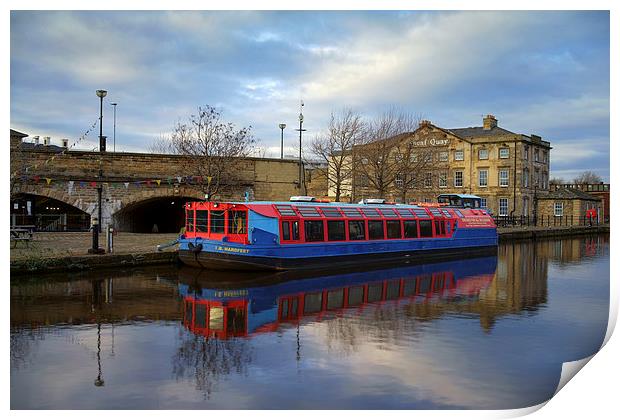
545	221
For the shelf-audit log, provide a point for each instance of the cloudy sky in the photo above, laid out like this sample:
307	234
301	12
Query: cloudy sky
545	73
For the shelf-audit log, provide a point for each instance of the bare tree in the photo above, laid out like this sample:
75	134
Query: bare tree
588	177
557	181
386	160
213	148
344	131
162	144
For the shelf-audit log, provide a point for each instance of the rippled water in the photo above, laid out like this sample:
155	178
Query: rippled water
477	333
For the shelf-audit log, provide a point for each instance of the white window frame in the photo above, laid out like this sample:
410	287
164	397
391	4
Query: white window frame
483	202
428	180
504	181
459	154
499	207
443	179
558	209
456	178
526	152
526	178
486	154
486	177
506	155
443	156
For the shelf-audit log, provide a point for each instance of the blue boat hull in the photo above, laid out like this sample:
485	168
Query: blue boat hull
230	256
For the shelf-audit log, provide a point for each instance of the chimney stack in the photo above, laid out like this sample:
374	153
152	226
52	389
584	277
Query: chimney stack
36	140
489	122
424	123
65	143
46	140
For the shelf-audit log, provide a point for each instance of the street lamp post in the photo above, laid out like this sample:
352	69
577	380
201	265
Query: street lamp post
300	129
114	129
282	127
96	225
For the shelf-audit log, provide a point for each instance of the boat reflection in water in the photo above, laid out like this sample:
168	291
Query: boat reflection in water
220	310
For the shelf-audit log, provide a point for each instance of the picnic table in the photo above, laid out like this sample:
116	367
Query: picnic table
21	234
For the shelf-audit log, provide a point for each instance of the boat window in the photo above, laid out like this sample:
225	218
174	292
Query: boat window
308	211
284	304
439	283
189	311
294	302
350	212
312	302
335	230
237	222
190	220
286	210
356	296
235	320
295	230
393	229
201	316
393	287
411	229
438	227
374	292
216	318
389	213
331	212
286	231
404	212
426	228
420	213
409	287
335	299
375	229
217	221
371	212
425	284
356	230
201	220
314	230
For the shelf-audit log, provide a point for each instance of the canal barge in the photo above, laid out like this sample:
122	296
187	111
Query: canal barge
307	234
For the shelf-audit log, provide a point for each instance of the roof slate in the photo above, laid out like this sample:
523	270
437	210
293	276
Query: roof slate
568	194
479	132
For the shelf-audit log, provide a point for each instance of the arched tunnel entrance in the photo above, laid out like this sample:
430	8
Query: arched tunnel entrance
47	214
156	215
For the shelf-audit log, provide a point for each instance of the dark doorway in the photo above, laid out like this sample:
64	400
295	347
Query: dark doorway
47	214
157	215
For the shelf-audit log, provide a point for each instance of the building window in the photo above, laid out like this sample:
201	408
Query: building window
504	153
545	156
526	177
458	178
545	180
443	179
414	157
398	157
483	154
364	161
428	200
503	207
536	177
459	155
428	157
483	202
428	180
503	177
536	155
483	177
558	209
399	180
526	152
443	156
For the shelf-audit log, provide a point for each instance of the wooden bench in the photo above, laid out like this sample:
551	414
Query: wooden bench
21	234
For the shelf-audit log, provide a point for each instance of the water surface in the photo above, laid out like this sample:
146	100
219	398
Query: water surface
481	333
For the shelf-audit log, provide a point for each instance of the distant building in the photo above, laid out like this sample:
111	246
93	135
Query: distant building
600	190
506	169
568	206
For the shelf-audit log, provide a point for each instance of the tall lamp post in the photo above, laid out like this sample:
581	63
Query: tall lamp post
282	127
300	129
114	132
96	225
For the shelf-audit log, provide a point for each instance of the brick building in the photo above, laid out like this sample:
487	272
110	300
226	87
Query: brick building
506	169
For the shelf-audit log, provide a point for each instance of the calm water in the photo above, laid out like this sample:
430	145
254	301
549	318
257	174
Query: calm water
475	333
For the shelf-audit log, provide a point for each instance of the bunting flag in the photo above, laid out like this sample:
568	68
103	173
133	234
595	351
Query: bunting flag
209	178
179	178
199	179
70	187
126	184
82	184
93	184
48	180
148	182
169	180
158	182
36	178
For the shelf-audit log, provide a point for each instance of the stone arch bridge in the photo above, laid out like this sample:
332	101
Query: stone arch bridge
139	190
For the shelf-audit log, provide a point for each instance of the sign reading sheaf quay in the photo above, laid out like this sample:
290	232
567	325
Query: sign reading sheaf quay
431	142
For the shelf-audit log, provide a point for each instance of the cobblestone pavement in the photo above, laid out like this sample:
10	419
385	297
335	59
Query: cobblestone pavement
48	244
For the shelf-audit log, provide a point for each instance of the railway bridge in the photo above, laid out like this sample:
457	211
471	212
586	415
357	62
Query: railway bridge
141	192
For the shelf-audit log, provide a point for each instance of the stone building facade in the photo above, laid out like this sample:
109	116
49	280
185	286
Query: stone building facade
568	206
506	169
